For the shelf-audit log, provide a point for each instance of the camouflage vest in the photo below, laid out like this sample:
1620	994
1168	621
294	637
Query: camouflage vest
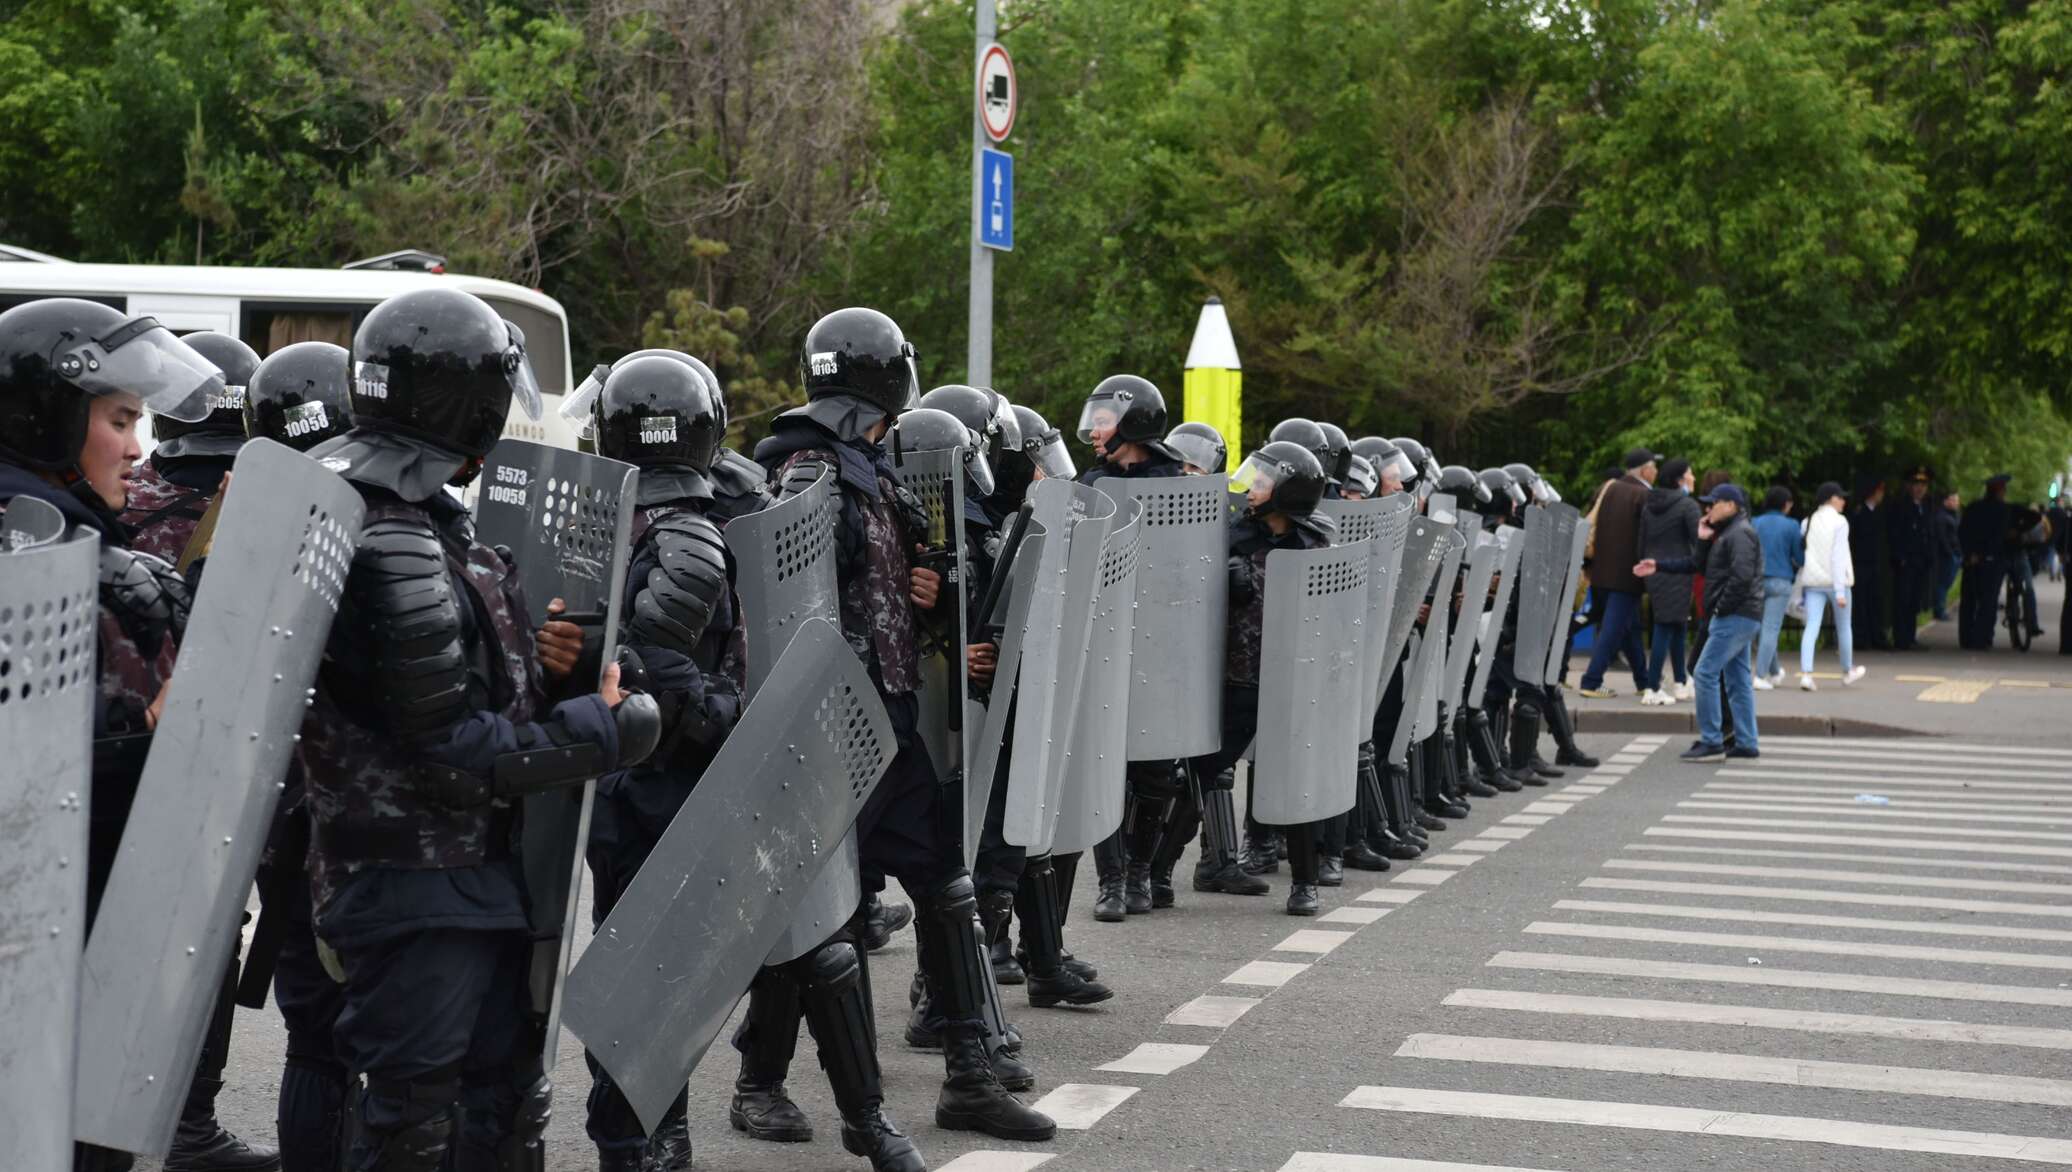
877	608
368	807
161	515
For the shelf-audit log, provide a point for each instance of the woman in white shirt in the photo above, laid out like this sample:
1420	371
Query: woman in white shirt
1826	579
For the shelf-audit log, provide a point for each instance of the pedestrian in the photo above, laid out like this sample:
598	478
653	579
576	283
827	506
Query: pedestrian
1867	549
1614	551
1784	551
1669	530
1910	541
1949	552
2028	535
1733	560
1982	536
1827	580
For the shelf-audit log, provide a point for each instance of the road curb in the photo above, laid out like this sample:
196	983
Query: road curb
1633	720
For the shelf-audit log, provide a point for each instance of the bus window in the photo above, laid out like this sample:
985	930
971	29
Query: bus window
546	342
266	328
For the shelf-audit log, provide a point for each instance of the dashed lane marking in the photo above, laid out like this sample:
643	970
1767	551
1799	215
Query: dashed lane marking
1700	1121
1547	806
1926	844
1913	825
1724	974
1909	1029
1852	857
1353	915
1387	895
1810	895
1529	819
1880	780
1914	745
1270	974
1315	940
1155	1058
1077	1106
1906	795
1955	692
1509	832
985	1161
1333	1162
1888	813
1211	1011
1672	911
1425	876
1829	874
2020	960
1485	844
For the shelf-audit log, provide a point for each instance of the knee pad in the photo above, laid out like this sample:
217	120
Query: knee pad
833	967
403	1125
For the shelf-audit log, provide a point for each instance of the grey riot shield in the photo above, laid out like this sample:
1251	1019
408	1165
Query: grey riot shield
1017	597
1090	805
1176	668
733	870
48	619
1053	655
1512	542
1425	550
937	479
168	919
566	519
1432	655
1538	567
1474	601
785	558
1381	522
1571	533
1310	660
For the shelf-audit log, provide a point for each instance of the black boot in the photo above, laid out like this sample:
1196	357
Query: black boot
838	1014
1003	1044
1136	889
1262	849
1398	812
1220	869
1525	735
1302	862
1330	835
767	1039
1051	981
881	920
1183	818
1108	865
199	1142
1367	826
1481	742
1431	753
973	1098
622	1158
924	1023
1006	970
1459	745
1564	728
669	1148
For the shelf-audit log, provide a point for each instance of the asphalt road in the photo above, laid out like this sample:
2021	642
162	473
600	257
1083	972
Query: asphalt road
1599	977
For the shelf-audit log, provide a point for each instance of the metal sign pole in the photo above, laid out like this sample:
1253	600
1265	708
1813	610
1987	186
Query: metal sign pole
978	361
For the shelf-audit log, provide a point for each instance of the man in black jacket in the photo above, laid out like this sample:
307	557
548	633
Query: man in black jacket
1731	557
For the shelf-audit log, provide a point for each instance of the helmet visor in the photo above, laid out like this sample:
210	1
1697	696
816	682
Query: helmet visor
1006	427
1256	477
978	467
579	406
1543	493
1102	414
1394	462
142	358
1198	450
1516	494
1050	457
1360	478
525	386
1439	509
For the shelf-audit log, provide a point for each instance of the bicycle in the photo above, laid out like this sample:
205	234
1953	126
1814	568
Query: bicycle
2016	613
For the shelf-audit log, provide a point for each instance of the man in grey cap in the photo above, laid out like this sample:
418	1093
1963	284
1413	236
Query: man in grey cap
1730	555
1614	549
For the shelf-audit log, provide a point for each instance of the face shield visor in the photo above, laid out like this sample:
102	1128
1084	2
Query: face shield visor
1516	494
1442	513
1543	493
1006	429
1052	460
1197	450
1256	478
1100	415
978	463
525	386
142	358
1392	462
579	407
1360	480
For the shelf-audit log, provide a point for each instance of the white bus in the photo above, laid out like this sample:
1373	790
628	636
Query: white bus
271	308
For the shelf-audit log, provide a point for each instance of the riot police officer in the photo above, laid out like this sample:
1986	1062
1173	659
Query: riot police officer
1199	447
858	370
430	721
300	396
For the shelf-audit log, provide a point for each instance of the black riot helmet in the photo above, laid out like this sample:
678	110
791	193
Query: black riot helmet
439	365
1132	405
226	415
1535	486
58	353
1503	489
1360	481
1338	448
1293	480
579	405
1463	484
1421	458
1310	435
657	410
301	395
989	416
1386	458
931	429
862	354
1042	448
1199	445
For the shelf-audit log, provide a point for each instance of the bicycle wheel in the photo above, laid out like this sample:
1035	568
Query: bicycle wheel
2017	616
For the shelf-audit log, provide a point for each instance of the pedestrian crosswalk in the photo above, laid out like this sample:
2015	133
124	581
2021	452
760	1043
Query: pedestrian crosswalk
1881	927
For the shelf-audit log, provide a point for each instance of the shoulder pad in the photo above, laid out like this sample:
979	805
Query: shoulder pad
677	602
147	595
737	474
802	475
409	618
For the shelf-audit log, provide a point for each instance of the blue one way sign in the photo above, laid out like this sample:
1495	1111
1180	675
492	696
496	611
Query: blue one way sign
996	200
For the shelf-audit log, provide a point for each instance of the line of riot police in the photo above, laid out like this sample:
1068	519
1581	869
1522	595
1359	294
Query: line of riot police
905	640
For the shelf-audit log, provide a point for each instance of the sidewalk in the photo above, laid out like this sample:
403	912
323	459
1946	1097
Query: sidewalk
2001	695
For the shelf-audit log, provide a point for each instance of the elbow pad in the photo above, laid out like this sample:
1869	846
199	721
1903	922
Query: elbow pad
674	608
800	477
146	595
410	624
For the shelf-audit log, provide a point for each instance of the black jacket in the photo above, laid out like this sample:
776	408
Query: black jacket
1733	563
1669	530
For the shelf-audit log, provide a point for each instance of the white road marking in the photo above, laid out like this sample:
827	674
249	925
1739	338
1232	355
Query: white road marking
1598	777
1156	1058
1452	860
1387	895
1914	824
1911	1029
1352	915
2019	960
1846	795
1334	1162
1847	857
1215	1012
1616	770
1878	878
1727	974
1511	832
1926	844
984	1161
1077	1106
1547	806
1915	746
1485	844
1908	761
1873	780
1271	974
1629	758
1806	895
1529	819
1315	940
1700	1121
1739	916
1795	1072
1425	876
1584	790
1861	810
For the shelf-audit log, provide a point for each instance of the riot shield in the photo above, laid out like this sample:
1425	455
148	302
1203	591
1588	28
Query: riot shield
1512	543
1467	625
48	620
168	919
1432	655
1537	569
1053	655
1176	667
1018	593
1572	532
566	519
937	479
730	875
1310	660
1382	522
1423	551
1090	805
